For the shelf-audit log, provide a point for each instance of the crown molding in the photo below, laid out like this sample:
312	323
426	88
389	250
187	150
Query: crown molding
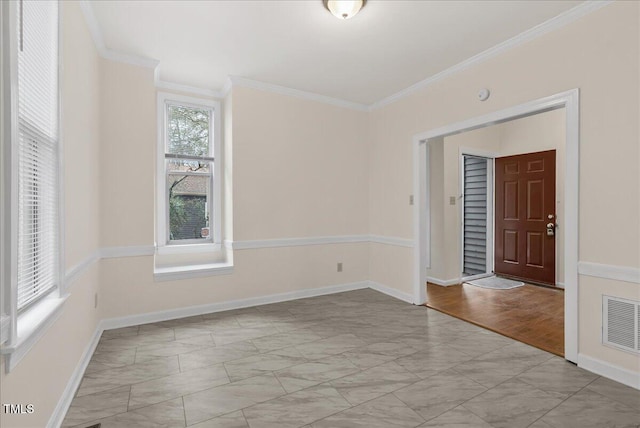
269	87
162	84
552	24
92	24
130	59
98	40
227	87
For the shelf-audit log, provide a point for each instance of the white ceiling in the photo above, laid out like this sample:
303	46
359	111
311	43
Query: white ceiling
389	46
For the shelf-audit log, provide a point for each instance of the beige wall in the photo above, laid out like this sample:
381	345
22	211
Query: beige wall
42	375
300	169
127	154
604	64
544	131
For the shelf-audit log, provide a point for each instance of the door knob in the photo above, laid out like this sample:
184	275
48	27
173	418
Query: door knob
551	229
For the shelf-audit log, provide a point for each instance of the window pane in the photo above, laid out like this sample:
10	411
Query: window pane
188	131
189	189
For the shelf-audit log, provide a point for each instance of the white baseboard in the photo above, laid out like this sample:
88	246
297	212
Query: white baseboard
225	306
74	382
56	419
443	282
608	370
76	377
391	292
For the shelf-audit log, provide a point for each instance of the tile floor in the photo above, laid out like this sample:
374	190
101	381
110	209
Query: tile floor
356	359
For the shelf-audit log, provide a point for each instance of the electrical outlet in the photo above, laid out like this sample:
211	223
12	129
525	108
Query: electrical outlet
410	199
95	300
339	267
452	200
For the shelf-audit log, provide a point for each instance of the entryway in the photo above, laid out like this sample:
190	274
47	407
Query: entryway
524	250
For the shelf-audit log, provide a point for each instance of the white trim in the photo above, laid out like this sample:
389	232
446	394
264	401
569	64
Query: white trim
129	59
552	24
79	269
203	92
5	325
92	24
101	47
608	370
110	54
391	240
189	249
269	87
131	251
32	325
215	123
191	271
296	242
618	273
443	282
228	85
62	284
570	101
390	291
229	305
421	219
61	409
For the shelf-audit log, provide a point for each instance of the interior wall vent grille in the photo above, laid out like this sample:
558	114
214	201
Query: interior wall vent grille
621	321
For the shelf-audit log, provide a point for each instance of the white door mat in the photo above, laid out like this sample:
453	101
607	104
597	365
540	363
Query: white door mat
496	283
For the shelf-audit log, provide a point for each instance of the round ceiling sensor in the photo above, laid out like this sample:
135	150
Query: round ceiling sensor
483	95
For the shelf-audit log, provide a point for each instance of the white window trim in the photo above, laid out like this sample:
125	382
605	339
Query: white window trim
161	204
20	332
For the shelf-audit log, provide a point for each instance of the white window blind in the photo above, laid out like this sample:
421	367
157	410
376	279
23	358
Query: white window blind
37	150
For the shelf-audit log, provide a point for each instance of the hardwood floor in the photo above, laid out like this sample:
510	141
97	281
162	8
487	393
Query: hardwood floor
530	314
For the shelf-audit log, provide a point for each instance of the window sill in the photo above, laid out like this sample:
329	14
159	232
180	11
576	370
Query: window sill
31	327
192	271
188	249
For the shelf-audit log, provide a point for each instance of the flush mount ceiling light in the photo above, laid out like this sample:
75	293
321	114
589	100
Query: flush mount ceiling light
344	9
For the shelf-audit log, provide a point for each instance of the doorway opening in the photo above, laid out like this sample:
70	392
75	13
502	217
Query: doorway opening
426	210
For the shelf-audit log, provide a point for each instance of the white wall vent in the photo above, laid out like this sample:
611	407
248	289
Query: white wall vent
620	323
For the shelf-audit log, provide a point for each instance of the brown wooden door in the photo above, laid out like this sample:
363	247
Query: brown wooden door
525	198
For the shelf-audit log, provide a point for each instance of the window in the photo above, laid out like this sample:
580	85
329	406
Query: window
189	184
31	216
37	148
